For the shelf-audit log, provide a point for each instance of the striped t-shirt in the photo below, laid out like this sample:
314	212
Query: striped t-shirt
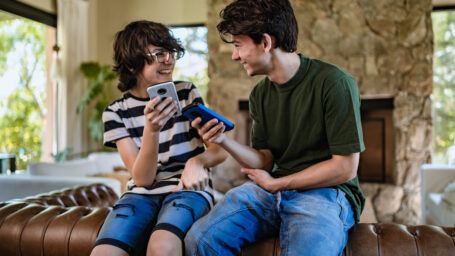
178	141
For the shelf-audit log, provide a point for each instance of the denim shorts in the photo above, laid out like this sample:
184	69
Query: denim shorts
134	217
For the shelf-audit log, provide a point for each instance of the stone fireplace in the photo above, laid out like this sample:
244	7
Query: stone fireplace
387	45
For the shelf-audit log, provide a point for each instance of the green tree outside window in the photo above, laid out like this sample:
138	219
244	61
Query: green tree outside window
22	113
443	83
193	66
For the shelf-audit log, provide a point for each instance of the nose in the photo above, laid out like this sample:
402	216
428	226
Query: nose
235	54
169	60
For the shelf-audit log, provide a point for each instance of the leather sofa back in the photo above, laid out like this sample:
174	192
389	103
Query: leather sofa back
66	223
381	240
61	223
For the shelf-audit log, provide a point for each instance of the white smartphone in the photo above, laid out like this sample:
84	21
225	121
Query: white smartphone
163	91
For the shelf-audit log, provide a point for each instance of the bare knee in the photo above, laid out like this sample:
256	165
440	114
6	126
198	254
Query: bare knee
107	249
163	242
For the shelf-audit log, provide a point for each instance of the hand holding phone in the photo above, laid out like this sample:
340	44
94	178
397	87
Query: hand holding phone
195	110
163	91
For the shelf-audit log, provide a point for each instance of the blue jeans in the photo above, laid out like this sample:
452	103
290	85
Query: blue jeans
312	222
134	217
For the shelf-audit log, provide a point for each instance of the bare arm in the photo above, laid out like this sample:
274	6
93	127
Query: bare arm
194	175
337	170
212	156
246	156
142	164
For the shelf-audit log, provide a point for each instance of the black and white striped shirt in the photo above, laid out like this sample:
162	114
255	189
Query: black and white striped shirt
178	141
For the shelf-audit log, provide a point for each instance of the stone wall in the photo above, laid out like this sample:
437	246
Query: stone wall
387	45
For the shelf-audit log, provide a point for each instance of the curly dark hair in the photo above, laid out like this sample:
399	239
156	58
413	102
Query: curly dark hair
130	49
256	17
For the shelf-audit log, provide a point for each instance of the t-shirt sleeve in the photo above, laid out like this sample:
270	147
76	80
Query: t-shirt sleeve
114	128
191	95
258	135
342	117
194	95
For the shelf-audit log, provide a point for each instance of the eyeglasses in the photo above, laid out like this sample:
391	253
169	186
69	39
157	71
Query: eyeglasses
162	56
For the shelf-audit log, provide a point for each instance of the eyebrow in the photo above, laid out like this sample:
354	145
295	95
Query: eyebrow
156	50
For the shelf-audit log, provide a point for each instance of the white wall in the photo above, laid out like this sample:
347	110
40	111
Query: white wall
45	5
109	16
114	15
443	2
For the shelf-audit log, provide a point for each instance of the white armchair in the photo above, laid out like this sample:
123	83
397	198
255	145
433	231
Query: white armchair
95	163
438	194
42	177
73	168
23	185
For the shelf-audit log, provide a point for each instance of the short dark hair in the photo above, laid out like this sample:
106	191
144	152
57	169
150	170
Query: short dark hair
130	49
256	17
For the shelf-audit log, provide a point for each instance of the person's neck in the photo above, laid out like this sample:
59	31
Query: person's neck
284	66
140	91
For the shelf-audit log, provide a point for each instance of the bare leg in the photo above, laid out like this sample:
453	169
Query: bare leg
107	249
164	243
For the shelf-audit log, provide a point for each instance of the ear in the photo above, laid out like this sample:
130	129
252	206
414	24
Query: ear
267	42
131	70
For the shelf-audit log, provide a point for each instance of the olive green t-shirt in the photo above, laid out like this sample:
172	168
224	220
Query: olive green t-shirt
308	119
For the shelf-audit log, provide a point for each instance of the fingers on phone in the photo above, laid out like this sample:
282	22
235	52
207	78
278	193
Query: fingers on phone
195	123
149	107
214	132
217	131
207	126
163	104
167	113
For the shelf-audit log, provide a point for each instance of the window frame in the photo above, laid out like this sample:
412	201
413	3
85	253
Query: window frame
29	12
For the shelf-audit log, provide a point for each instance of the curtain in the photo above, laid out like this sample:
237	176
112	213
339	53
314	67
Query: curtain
72	37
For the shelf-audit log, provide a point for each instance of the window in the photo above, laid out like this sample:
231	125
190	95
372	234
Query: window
24	99
443	84
193	66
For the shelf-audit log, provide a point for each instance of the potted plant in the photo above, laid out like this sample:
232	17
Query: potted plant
99	77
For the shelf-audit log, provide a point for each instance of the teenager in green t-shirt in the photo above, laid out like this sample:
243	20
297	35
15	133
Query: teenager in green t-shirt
306	140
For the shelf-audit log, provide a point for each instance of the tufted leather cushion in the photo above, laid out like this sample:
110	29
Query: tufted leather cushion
395	239
67	222
64	222
381	240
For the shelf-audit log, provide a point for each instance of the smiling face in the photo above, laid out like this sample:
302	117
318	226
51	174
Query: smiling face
251	55
155	72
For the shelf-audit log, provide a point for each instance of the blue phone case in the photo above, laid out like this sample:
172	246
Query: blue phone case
198	110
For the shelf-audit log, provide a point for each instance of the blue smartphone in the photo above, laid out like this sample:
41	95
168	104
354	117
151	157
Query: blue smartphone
195	110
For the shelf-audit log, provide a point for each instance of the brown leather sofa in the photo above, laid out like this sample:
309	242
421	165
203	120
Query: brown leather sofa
67	222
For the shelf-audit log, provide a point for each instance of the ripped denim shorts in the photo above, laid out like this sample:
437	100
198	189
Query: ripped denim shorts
134	217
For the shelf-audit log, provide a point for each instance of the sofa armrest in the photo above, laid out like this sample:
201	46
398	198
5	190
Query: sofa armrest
55	223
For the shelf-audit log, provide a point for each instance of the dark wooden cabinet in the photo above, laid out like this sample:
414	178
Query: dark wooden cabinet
376	162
